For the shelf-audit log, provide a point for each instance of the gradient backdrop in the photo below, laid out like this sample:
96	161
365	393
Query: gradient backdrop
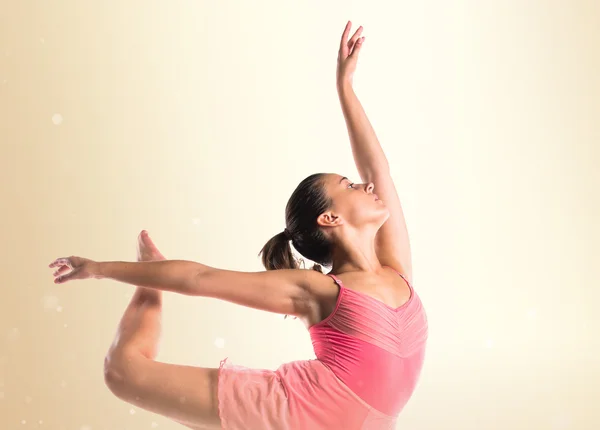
196	120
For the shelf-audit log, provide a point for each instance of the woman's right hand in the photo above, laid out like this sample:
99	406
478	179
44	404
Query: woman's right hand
348	55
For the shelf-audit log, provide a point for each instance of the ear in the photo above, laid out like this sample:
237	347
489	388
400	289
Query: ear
329	219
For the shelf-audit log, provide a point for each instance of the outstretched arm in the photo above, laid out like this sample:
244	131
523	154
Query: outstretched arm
392	241
280	291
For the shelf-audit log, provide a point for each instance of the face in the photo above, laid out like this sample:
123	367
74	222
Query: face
353	204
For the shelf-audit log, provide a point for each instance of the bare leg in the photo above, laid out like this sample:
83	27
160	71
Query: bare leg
139	331
140	325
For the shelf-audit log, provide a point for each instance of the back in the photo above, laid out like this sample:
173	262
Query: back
374	349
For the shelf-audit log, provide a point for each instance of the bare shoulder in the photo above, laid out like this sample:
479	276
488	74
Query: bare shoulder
402	269
319	285
321	296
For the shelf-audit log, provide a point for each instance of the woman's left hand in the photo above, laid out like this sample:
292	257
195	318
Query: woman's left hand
72	268
348	55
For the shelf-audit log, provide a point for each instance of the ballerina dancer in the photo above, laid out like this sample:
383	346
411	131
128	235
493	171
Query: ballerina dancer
366	322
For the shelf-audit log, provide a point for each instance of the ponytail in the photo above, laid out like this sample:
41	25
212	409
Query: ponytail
277	253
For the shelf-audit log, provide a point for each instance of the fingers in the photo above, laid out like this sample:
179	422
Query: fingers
65	270
61	270
61	262
63	278
345	36
357	46
64	274
357	34
348	47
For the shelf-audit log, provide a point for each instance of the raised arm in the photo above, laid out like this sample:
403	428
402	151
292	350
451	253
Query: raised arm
280	291
392	241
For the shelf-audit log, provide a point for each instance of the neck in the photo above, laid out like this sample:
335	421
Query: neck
355	252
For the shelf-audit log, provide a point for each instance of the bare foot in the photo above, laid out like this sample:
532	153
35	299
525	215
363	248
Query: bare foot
140	324
139	328
147	250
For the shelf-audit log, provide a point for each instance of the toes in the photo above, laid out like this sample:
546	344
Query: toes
147	250
145	238
144	241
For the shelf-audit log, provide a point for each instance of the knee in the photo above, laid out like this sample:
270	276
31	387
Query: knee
113	378
119	374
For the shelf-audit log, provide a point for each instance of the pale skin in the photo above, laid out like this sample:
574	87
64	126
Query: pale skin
368	229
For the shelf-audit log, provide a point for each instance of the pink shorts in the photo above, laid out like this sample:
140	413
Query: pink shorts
301	395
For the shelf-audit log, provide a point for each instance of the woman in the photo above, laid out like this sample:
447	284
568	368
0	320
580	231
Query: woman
367	325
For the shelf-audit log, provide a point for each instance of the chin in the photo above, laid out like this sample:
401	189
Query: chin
382	215
382	208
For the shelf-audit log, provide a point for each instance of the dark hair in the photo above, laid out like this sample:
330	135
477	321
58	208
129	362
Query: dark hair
307	202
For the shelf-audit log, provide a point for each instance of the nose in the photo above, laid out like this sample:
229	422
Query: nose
370	187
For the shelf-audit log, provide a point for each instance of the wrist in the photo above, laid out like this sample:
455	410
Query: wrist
344	85
98	270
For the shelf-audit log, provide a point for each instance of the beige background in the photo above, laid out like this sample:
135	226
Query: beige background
196	120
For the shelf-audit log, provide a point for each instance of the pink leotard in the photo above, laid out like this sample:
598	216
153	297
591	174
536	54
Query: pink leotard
375	350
